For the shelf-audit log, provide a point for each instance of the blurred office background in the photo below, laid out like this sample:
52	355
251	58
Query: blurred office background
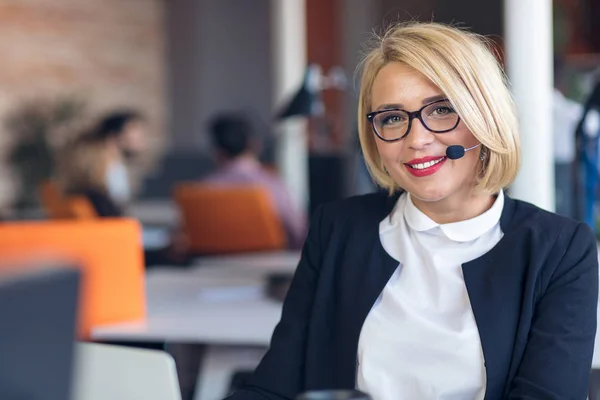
182	62
212	294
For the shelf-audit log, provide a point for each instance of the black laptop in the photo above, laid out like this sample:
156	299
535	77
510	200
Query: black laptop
37	333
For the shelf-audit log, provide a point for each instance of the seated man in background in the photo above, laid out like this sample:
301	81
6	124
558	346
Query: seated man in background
236	148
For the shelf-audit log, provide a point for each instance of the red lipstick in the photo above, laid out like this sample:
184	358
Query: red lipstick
425	166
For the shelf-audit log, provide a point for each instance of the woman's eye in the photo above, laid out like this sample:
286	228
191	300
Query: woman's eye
445	110
393	119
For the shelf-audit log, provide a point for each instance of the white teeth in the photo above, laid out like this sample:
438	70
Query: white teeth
426	164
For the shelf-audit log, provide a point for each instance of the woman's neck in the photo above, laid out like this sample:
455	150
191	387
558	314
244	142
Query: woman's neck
455	208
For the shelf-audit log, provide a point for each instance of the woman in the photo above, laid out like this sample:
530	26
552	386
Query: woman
451	289
84	169
94	166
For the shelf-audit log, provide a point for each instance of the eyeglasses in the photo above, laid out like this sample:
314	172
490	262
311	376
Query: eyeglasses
394	124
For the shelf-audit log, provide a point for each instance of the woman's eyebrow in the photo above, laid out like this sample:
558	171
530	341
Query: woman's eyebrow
389	106
432	99
425	101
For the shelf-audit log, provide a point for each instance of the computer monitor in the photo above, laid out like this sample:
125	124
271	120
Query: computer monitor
38	322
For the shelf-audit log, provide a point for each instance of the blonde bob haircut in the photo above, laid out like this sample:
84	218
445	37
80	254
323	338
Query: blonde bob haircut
462	65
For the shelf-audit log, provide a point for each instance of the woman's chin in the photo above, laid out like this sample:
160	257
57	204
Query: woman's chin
432	193
427	198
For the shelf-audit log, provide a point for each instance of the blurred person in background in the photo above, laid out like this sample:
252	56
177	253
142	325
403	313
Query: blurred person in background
83	170
236	150
124	134
96	166
442	287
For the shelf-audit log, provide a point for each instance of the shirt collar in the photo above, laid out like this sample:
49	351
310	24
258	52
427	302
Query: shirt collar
462	231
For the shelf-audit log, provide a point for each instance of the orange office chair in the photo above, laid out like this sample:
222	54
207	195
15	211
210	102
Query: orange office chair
109	252
221	220
59	206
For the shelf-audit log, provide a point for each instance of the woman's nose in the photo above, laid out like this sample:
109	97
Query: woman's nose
419	137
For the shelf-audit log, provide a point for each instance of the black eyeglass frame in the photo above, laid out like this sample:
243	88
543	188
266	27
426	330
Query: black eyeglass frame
411	115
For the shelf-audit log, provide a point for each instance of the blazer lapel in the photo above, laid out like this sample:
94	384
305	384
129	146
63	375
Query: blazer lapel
367	269
494	283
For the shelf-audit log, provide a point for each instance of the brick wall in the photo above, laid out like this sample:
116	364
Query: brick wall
110	53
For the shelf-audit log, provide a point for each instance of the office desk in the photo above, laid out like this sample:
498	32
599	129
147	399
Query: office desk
219	302
156	212
258	263
206	306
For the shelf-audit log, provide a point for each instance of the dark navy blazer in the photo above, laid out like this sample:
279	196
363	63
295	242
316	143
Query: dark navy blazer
534	297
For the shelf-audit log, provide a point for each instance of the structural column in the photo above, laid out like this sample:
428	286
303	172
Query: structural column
288	21
528	39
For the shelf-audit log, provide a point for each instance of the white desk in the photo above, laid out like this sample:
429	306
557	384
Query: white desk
219	302
264	262
156	212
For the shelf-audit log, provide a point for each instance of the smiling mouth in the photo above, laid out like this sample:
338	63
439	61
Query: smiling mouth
427	164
